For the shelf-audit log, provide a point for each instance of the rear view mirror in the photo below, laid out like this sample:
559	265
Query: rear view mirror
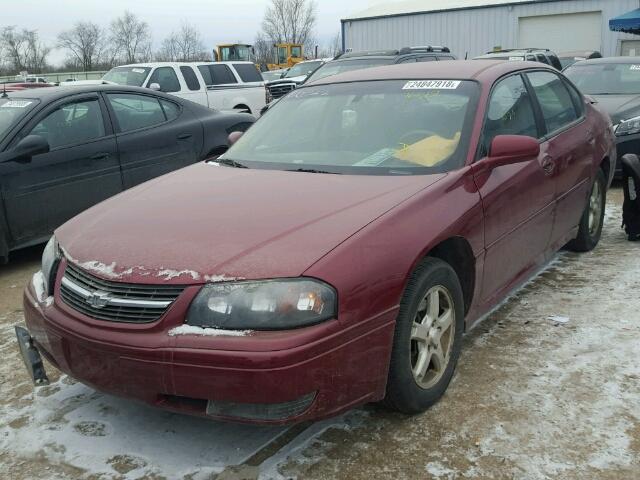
510	149
234	137
28	147
155	87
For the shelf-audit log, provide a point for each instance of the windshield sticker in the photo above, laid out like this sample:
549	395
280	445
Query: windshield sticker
432	85
634	67
16	104
376	158
137	70
516	59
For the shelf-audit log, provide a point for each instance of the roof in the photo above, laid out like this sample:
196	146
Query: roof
63	91
628	23
454	70
605	60
420	6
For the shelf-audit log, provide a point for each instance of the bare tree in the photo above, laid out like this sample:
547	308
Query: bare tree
185	45
263	48
289	21
131	38
86	43
24	50
333	48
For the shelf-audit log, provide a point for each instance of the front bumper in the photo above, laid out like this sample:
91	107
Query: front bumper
626	144
313	372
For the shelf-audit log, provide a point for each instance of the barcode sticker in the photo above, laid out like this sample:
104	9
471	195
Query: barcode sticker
16	104
432	85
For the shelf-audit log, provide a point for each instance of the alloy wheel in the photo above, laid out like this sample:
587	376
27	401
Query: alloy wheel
595	209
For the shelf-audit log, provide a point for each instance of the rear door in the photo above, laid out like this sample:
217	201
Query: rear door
221	82
518	200
81	169
570	140
155	135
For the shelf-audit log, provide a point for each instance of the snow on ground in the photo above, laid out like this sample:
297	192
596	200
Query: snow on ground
534	397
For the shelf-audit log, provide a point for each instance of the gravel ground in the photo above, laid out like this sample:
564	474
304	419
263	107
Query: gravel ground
533	398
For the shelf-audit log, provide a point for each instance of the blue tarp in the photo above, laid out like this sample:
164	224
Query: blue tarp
628	23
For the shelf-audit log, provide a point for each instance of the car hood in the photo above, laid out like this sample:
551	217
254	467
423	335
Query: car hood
298	79
619	107
214	223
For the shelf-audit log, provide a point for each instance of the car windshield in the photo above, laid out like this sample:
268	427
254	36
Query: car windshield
395	127
12	111
132	76
333	68
302	69
606	78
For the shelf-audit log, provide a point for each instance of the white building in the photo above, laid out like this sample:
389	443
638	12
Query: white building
472	27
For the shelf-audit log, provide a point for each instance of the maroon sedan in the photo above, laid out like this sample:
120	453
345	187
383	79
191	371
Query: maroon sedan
335	254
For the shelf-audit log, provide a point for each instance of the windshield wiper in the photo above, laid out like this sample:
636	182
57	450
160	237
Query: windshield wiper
312	170
230	163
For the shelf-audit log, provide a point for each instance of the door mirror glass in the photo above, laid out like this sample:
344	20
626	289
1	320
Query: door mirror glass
509	149
28	147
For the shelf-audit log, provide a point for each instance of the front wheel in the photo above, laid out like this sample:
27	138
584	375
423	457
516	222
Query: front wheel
590	228
427	338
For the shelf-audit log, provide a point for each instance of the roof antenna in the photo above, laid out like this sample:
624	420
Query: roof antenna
4	91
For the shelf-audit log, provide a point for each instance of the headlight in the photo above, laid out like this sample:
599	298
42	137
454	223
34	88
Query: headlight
263	305
628	127
50	261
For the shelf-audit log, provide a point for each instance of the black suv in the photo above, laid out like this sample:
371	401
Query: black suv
358	60
542	55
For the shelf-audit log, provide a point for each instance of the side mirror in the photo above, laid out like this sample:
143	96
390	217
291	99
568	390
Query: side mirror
234	137
28	147
510	149
155	87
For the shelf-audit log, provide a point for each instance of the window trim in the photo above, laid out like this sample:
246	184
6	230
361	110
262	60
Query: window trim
116	125
520	73
57	105
552	134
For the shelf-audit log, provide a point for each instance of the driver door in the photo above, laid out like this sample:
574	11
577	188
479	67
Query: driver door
80	170
518	199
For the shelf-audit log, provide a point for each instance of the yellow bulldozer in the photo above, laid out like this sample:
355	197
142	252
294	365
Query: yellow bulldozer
286	55
234	52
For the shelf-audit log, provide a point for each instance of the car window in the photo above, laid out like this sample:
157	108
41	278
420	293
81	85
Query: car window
248	72
429	58
444	57
578	102
342	66
555	61
531	58
190	78
541	58
72	124
167	79
509	112
557	106
136	111
12	111
408	60
171	110
133	76
606	78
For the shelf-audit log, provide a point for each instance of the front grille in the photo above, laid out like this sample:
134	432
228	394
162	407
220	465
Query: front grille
115	301
280	89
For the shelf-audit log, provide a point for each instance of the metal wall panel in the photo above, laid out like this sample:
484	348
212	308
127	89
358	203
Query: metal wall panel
475	31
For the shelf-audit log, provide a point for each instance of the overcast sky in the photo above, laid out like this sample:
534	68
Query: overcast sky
219	21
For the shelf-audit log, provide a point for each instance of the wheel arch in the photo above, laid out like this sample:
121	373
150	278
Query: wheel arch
606	167
457	252
242	106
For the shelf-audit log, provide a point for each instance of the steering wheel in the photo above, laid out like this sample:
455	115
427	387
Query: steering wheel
413	136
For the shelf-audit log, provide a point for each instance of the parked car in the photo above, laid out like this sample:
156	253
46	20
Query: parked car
542	55
271	75
64	149
220	85
300	275
358	60
295	76
614	83
569	58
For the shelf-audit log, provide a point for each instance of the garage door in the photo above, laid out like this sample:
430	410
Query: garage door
571	31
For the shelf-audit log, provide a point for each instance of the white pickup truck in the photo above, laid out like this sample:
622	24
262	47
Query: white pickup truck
221	85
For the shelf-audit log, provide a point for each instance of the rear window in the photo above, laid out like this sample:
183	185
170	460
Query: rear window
248	72
335	67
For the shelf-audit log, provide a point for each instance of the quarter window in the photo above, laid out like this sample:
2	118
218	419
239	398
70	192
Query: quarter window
134	112
171	110
509	112
190	78
72	124
557	106
167	79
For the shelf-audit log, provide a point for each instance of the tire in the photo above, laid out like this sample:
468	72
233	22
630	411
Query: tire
590	228
410	392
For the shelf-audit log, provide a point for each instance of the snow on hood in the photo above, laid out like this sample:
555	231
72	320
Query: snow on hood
203	224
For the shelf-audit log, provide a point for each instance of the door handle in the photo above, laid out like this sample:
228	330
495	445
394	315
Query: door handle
548	165
184	136
100	156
